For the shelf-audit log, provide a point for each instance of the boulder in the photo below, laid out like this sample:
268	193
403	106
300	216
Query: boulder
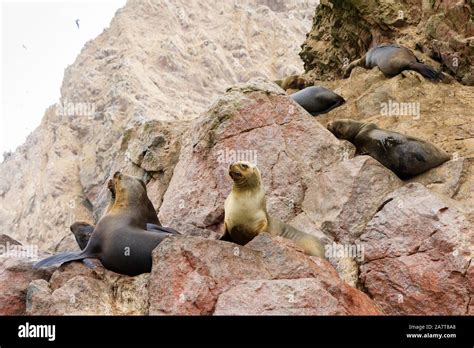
418	251
16	273
190	274
255	122
75	289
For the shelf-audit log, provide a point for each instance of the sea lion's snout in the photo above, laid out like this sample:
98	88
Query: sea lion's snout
330	127
117	175
234	172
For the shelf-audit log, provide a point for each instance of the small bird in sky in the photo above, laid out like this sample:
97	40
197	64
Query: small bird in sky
77	23
24	47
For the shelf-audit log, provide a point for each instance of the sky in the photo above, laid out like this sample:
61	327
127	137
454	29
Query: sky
38	41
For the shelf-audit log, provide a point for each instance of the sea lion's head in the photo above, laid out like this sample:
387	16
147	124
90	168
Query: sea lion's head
127	190
294	82
345	129
245	174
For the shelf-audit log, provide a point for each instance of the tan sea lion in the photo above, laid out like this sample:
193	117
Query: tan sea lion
317	100
120	239
293	82
392	59
246	212
404	155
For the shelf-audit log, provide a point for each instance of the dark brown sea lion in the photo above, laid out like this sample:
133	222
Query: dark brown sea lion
392	59
404	155
121	240
317	100
246	212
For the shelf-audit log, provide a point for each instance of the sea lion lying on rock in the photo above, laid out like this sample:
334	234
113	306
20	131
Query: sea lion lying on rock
404	155
317	100
392	59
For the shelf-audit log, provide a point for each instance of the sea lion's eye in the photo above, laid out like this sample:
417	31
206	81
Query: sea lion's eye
244	166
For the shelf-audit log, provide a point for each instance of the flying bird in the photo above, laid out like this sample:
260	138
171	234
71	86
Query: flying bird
24	47
77	23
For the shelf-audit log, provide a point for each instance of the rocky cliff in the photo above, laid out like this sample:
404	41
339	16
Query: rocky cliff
344	30
415	238
127	98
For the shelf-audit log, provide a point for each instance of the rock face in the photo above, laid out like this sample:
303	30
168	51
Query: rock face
418	252
441	115
16	273
194	276
307	296
191	274
414	239
75	289
344	30
125	100
256	122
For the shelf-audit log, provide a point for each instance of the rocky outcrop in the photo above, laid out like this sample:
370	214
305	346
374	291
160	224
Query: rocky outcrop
194	276
441	115
128	96
191	275
413	240
306	296
344	30
78	290
16	273
255	122
418	255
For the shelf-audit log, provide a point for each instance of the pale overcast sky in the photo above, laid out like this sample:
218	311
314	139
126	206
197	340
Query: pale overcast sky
38	41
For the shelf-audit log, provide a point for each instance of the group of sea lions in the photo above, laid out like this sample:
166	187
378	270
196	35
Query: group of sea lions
126	235
391	59
406	156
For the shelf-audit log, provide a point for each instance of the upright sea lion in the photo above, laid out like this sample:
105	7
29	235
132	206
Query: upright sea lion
392	59
120	239
317	100
83	230
246	212
406	156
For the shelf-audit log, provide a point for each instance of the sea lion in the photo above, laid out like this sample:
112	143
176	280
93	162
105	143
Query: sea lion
292	82
406	156
120	239
317	100
83	230
246	212
392	59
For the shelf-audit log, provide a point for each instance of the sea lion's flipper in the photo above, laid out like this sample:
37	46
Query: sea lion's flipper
427	71
358	62
60	259
89	263
309	243
226	236
390	142
82	232
157	228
